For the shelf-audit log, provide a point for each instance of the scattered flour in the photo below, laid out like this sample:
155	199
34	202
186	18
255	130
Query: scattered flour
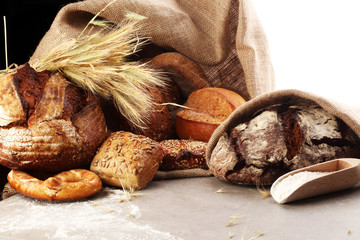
284	188
105	217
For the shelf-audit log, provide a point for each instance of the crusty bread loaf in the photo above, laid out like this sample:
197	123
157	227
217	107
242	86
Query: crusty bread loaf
181	154
187	74
46	122
279	139
208	107
127	160
159	124
191	124
183	77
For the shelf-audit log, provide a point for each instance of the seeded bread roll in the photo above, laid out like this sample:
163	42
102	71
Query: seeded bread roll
279	139
127	160
181	154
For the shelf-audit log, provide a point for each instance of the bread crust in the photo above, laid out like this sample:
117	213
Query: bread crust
59	128
182	154
187	74
207	109
67	185
127	160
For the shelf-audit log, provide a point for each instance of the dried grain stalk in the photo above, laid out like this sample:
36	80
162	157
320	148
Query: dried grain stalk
99	62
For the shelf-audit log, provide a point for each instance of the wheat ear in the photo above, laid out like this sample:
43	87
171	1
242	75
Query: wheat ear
98	62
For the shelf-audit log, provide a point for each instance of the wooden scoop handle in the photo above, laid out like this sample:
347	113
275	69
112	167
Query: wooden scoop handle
333	165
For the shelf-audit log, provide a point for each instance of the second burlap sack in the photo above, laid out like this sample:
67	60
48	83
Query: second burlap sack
349	115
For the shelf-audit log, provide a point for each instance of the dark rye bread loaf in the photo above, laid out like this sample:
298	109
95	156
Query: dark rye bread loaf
159	123
181	154
278	139
47	123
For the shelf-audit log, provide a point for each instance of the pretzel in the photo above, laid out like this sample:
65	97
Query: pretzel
68	185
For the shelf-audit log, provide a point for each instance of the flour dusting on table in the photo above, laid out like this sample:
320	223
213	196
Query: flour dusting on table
106	216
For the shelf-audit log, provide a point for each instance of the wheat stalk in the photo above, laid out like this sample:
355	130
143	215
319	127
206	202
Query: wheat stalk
98	62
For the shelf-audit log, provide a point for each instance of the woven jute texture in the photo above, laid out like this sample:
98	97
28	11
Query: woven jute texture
224	37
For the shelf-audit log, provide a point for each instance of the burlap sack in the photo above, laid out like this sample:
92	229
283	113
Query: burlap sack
349	114
224	37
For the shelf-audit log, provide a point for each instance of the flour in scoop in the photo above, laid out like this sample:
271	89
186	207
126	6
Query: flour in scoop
284	188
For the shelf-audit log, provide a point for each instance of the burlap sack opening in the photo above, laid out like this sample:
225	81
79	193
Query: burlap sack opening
224	37
346	113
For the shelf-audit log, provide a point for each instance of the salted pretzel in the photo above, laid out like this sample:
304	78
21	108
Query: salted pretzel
68	185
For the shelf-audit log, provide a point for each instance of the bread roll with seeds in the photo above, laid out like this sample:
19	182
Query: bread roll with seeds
182	154
127	160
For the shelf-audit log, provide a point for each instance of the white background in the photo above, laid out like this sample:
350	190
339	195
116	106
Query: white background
314	45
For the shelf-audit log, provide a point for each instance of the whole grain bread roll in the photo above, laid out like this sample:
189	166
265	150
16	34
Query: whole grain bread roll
278	139
127	160
181	154
47	123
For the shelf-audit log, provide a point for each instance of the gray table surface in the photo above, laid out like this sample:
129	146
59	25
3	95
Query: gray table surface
191	208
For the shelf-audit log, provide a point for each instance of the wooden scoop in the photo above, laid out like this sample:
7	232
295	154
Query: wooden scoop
337	175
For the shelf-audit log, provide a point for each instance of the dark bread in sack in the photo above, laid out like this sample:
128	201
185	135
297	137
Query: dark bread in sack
276	135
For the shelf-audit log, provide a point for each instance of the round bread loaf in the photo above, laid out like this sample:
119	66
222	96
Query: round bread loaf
181	154
207	109
127	160
279	139
47	123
